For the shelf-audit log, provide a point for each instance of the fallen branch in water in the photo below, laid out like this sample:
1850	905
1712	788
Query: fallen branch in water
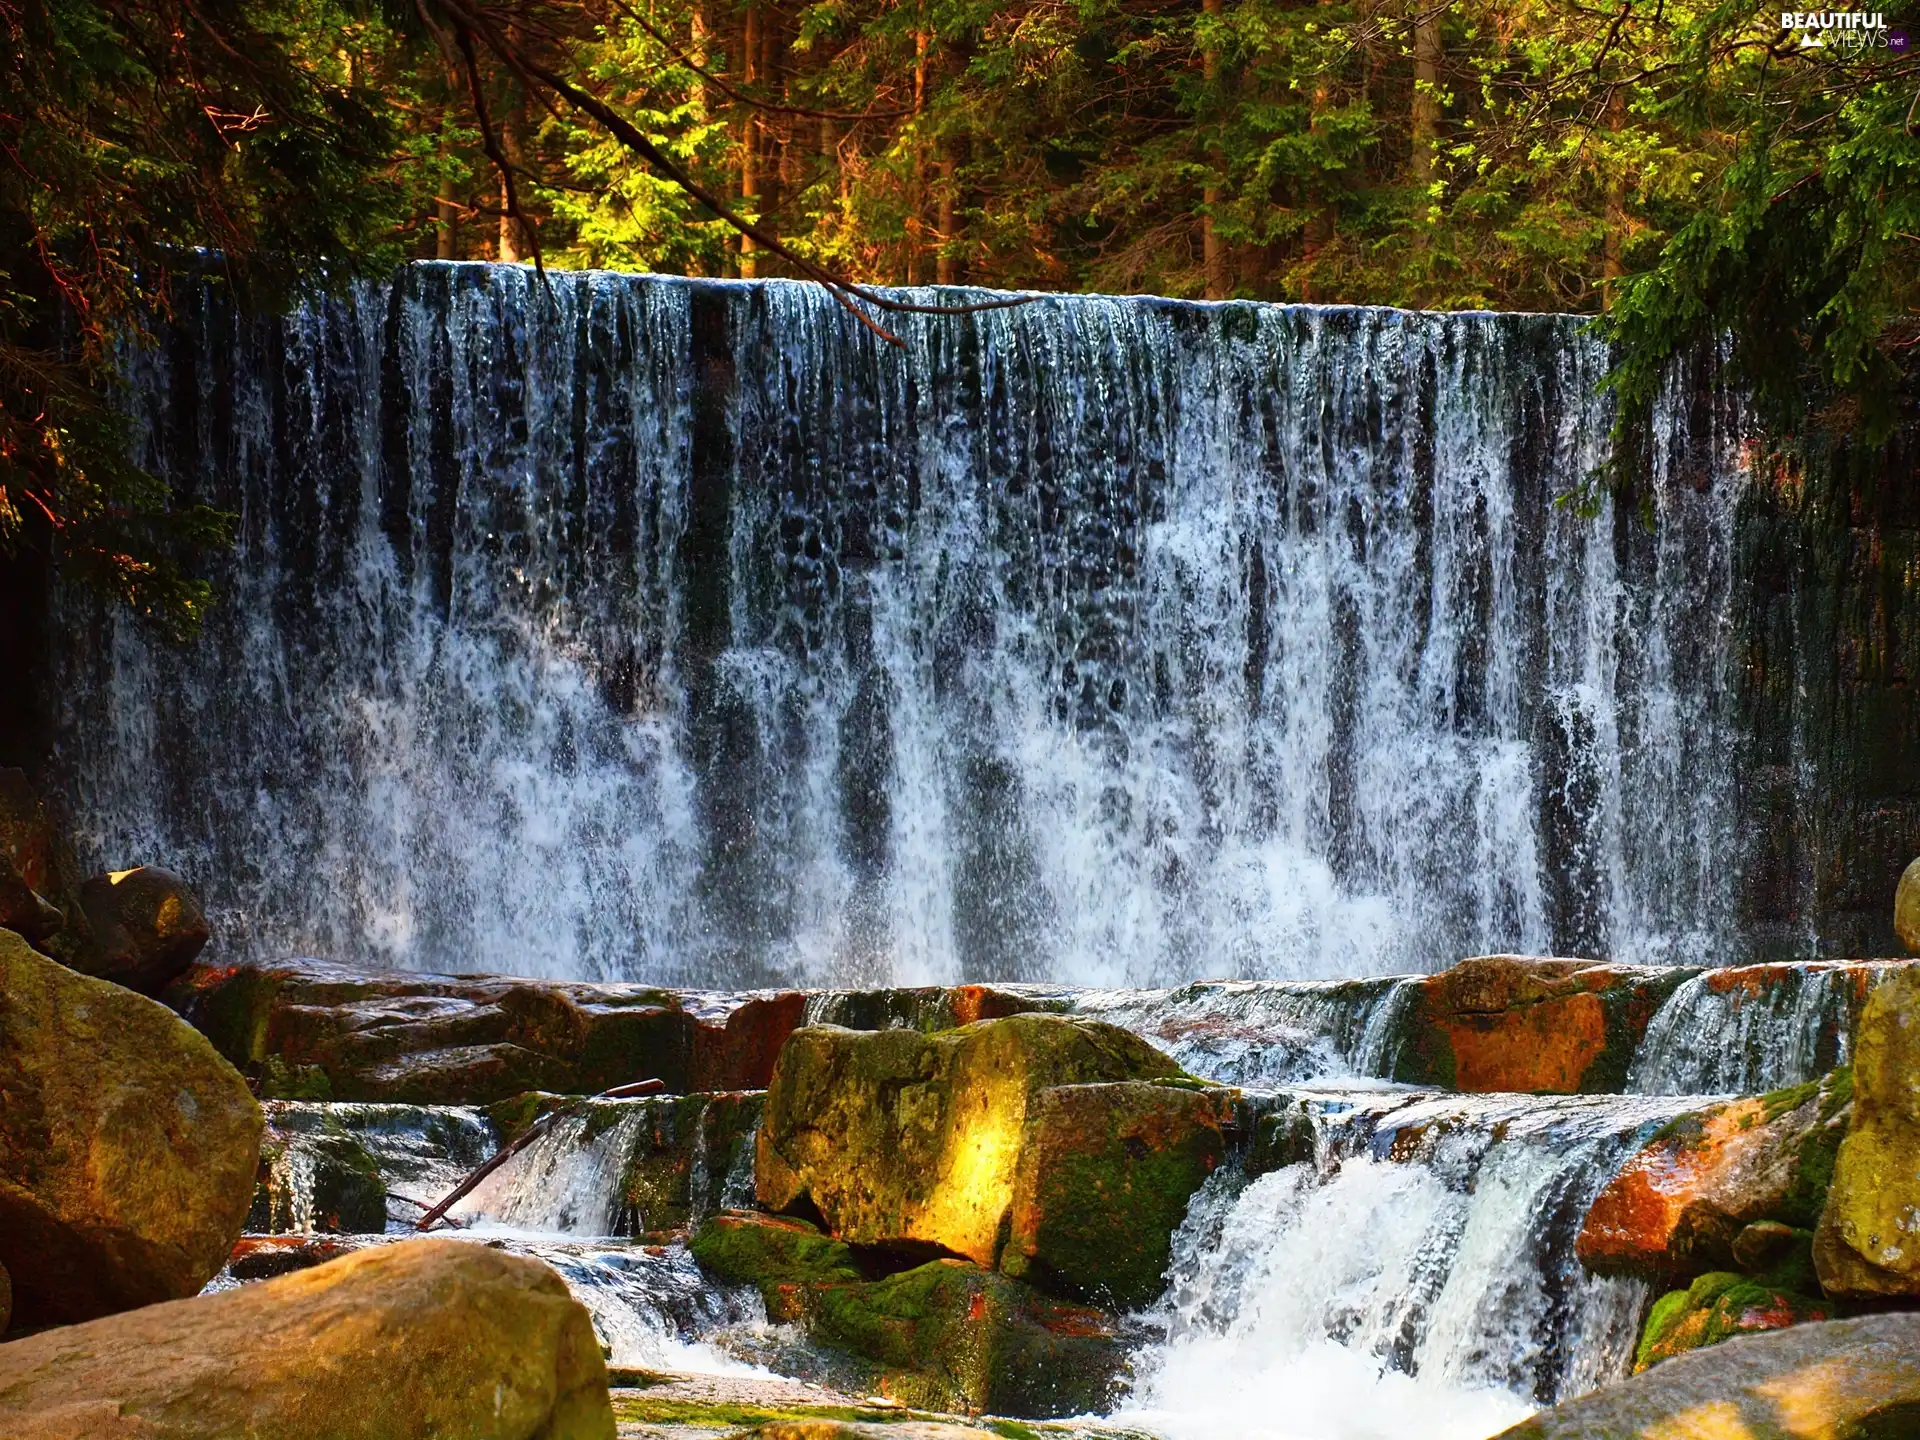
526	1137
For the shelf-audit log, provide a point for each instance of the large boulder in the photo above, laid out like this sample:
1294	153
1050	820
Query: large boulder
1844	1379
127	1146
946	1335
913	1141
1680	1205
144	925
1906	908
35	867
310	1029
1868	1242
425	1338
1532	1025
1103	1181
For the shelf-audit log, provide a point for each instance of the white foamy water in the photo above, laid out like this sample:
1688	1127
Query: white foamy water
1362	1297
675	630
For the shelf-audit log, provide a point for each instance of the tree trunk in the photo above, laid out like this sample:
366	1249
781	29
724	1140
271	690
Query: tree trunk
750	142
1613	264
1427	56
513	237
1213	253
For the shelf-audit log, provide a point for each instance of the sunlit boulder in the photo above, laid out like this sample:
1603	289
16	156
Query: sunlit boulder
914	1142
127	1146
144	927
1841	1378
425	1338
1867	1243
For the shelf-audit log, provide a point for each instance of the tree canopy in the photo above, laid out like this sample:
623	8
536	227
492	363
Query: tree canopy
1683	168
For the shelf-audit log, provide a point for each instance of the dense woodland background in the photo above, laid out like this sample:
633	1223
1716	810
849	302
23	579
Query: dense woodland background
1684	167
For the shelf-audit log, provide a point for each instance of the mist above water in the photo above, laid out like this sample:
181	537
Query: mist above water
683	631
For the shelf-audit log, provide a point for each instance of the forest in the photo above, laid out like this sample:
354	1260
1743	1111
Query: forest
1683	168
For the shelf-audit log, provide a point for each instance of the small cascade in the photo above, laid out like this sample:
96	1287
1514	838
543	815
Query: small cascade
1262	1033
1416	1277
1753	1029
567	1182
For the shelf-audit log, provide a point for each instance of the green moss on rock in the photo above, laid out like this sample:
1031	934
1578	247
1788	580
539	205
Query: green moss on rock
1104	1178
1716	1307
906	1140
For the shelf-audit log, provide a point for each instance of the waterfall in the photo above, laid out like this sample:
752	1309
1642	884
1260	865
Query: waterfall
1755	1028
1416	1277
617	626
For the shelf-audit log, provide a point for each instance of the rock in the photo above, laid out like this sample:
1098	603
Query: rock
262	1257
128	1150
1867	1242
1844	1378
912	1141
1104	1178
1531	1025
947	1335
1716	1307
1767	1243
954	1336
784	1259
429	1337
864	1430
929	1008
1680	1204
6	1300
315	1175
1906	908
24	910
145	928
310	1029
736	1041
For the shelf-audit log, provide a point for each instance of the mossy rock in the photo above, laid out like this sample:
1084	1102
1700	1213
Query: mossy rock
316	1176
1864	1246
954	1336
782	1258
1703	1180
1716	1307
913	1141
1105	1175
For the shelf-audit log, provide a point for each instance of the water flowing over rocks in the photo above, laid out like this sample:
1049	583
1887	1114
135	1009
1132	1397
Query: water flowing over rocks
1843	1378
127	1146
425	1338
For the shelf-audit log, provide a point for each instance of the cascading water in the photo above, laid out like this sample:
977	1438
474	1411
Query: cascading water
619	626
1416	1277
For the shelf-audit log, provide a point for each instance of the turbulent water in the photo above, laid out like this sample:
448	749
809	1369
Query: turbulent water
684	631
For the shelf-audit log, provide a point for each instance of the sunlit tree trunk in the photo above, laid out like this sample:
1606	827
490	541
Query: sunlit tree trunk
1613	264
916	179
513	238
1427	55
947	266
750	141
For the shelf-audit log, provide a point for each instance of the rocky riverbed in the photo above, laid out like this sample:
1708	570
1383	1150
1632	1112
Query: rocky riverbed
1569	1196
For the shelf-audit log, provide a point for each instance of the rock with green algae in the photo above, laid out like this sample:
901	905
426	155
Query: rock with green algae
1868	1240
1678	1207
1103	1181
947	1335
913	1141
315	1175
1715	1308
425	1338
1531	1024
953	1336
127	1146
822	1429
784	1259
1839	1379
